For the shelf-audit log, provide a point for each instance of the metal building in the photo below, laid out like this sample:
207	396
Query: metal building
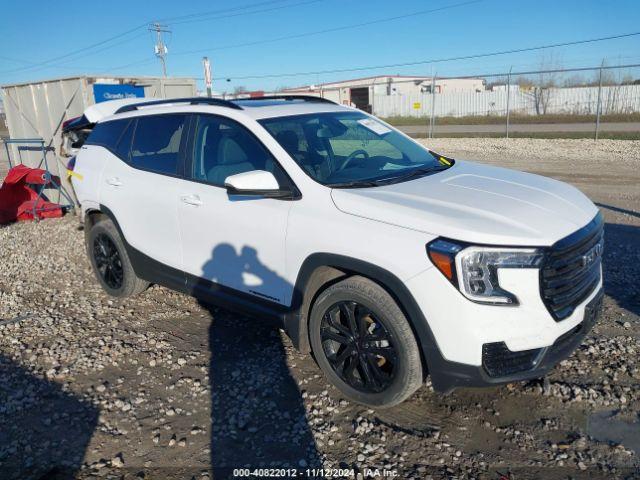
38	109
361	92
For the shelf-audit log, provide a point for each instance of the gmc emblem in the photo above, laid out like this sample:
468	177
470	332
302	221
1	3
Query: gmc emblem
592	255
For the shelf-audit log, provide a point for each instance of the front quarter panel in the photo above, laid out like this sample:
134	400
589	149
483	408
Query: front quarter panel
317	226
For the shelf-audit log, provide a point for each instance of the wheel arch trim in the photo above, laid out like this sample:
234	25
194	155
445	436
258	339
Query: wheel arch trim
296	321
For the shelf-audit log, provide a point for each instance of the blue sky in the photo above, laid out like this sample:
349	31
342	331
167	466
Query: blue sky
34	32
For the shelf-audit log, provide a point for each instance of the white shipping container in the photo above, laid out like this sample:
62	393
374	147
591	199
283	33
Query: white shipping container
38	109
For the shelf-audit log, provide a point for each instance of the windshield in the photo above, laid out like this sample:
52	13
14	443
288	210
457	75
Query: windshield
350	149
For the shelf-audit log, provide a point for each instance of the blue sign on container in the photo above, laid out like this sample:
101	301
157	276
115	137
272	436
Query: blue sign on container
104	92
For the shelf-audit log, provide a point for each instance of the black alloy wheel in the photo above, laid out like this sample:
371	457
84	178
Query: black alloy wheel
358	347
108	261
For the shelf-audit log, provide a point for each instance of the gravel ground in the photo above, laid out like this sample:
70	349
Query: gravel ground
159	386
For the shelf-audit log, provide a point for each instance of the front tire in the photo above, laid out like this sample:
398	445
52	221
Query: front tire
364	344
110	262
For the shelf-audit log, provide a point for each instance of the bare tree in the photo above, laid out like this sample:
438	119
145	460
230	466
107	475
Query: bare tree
540	89
627	78
575	80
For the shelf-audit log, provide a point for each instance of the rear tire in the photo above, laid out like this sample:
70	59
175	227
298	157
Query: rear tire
110	262
370	354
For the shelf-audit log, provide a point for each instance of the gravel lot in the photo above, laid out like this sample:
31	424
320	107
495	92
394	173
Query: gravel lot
160	386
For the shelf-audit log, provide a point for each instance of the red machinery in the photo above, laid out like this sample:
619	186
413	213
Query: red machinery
22	192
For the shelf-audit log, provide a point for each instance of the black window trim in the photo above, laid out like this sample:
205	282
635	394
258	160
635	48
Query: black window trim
188	163
180	166
110	148
180	170
124	120
132	124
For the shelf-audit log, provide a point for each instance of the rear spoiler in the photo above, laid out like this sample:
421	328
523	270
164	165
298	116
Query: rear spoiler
77	123
97	112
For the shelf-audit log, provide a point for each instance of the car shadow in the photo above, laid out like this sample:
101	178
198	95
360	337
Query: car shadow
258	417
44	430
621	265
619	210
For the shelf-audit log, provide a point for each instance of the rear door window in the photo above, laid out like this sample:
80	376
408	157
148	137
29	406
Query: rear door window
107	134
156	143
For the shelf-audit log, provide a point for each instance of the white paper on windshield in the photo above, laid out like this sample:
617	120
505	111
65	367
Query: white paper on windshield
375	127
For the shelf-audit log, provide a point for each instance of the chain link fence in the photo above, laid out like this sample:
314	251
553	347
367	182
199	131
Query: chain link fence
555	96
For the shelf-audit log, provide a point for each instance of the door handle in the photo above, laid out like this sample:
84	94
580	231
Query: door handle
114	182
191	200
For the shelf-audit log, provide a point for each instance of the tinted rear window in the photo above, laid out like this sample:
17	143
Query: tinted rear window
123	147
156	143
107	134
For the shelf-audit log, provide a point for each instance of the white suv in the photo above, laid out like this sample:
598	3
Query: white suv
387	261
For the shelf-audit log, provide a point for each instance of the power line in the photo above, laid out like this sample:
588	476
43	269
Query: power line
80	50
146	60
431	61
34	66
282	7
331	30
305	34
93	52
15	60
204	16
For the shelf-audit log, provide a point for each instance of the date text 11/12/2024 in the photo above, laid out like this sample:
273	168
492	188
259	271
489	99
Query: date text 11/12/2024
312	473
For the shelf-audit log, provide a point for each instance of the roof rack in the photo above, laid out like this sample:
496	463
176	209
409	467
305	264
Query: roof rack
304	98
191	101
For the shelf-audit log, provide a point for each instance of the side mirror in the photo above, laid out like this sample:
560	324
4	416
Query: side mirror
257	183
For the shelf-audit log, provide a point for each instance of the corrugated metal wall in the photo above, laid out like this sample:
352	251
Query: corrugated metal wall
580	100
37	110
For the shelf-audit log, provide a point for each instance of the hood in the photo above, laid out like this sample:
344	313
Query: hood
476	203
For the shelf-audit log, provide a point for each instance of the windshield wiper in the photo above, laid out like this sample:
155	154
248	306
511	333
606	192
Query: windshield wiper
420	172
354	184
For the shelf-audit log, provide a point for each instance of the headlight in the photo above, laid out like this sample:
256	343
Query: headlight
474	269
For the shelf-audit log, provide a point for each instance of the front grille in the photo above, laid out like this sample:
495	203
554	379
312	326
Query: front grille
567	339
499	361
571	269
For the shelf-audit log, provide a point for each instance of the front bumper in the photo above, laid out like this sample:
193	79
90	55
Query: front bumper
447	375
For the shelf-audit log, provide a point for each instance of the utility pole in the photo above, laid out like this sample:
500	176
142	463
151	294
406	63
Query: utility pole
207	74
160	47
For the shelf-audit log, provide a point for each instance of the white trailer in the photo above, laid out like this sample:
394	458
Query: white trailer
38	109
